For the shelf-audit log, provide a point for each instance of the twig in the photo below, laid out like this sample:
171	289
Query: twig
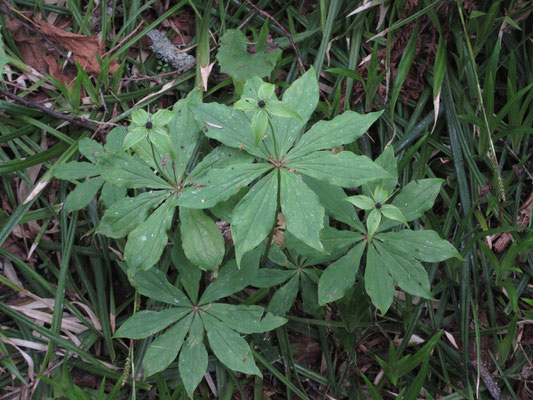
285	31
243	24
110	51
488	380
157	78
48	111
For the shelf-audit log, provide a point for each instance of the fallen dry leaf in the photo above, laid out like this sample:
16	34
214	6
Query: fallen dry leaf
38	54
30	46
505	238
225	229
57	72
205	71
279	231
83	48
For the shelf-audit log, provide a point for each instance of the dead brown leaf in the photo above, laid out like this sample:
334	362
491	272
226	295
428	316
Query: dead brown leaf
279	231
30	46
57	72
225	229
84	48
505	238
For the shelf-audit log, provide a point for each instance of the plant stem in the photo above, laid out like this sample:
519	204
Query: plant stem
264	259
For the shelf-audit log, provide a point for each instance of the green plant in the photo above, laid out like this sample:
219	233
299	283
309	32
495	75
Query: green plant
191	316
244	60
280	164
264	166
391	256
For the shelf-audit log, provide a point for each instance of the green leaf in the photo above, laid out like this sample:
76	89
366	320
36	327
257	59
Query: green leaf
408	273
378	282
268	277
335	240
344	169
154	284
159	137
302	97
254	216
83	194
246	104
380	194
140	117
277	256
372	222
134	136
193	357
353	308
152	156
127	171
332	199
224	210
281	109
343	129
423	245
307	254
112	194
417	197
259	125
75	170
228	126
162	117
245	319
115	139
164	349
403	69
266	91
90	149
189	273
220	184
184	132
235	59
229	347
231	279
124	216
348	73
304	216
146	242
339	277
387	161
145	323
284	297
393	212
362	202
202	241
220	157
308	292
439	66
3	58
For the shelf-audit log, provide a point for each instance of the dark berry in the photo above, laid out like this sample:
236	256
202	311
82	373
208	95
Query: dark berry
261	103
378	205
148	125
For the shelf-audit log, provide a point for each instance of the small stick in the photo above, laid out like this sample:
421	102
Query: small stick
48	111
285	31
